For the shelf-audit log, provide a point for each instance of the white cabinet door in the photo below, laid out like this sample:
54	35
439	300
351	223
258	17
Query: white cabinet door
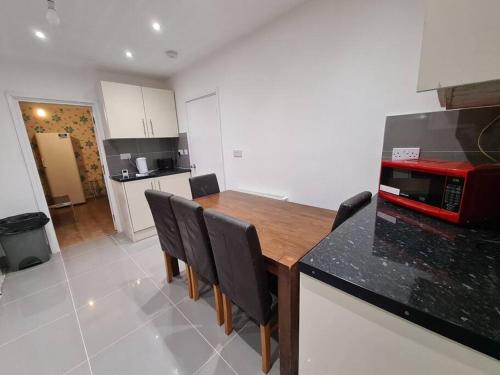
460	43
124	108
140	213
177	184
161	115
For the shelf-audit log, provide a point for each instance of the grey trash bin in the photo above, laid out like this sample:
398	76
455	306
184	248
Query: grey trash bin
24	241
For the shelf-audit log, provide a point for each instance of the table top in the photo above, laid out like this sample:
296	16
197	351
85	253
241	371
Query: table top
438	275
287	231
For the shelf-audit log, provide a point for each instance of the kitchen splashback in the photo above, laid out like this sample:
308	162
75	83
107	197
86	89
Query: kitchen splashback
447	135
150	148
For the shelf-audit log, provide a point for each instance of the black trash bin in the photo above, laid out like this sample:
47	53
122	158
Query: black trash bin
23	240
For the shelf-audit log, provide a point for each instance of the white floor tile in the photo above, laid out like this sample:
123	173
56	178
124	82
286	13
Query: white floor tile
52	349
167	345
26	314
114	316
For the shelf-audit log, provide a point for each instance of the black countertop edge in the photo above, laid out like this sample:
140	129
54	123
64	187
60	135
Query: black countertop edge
449	330
133	177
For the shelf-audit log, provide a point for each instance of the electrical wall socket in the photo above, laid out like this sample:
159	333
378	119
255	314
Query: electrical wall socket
406	153
125	156
237	153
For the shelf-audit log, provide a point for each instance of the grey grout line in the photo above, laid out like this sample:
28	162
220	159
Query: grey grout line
65	315
76	317
74	367
142	325
34	293
176	307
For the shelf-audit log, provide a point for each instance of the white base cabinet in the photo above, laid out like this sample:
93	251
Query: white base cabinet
341	334
135	214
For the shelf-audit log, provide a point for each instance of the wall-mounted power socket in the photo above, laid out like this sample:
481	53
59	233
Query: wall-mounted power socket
237	153
406	153
125	156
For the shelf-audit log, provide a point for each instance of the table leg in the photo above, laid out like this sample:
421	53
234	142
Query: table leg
288	314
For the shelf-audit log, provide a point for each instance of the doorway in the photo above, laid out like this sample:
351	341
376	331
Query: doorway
205	137
66	154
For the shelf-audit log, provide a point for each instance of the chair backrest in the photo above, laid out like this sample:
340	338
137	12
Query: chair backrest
166	224
350	207
204	185
239	263
194	235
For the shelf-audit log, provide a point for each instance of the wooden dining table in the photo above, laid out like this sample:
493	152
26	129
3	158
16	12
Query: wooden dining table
287	231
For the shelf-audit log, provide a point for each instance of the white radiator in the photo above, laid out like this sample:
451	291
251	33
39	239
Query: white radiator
266	195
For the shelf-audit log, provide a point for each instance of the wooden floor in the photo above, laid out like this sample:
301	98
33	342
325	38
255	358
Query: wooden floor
93	220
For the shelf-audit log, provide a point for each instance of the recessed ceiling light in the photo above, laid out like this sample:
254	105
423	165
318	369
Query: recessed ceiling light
129	54
172	54
156	26
40	35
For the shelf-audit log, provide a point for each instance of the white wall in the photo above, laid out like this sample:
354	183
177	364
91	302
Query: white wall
51	82
306	97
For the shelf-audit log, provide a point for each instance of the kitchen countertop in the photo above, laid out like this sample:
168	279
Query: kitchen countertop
441	276
154	174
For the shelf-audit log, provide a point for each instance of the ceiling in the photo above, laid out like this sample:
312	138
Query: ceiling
96	33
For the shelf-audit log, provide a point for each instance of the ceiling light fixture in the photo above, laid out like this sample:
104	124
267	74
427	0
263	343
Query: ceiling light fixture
172	54
156	26
52	15
40	35
40	112
129	54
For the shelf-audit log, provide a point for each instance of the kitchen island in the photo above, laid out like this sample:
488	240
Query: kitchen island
407	293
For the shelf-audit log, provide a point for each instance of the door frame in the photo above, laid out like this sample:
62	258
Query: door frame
207	94
30	164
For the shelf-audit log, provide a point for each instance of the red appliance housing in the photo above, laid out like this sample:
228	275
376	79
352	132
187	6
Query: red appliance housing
458	192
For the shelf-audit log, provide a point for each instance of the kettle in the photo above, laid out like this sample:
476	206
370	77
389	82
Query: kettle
142	165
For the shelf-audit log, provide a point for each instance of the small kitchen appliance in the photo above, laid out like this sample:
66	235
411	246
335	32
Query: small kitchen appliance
458	192
165	164
142	165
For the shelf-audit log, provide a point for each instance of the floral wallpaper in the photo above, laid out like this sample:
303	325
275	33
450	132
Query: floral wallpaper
78	122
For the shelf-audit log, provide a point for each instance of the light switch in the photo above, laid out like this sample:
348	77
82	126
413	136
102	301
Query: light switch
181	151
237	153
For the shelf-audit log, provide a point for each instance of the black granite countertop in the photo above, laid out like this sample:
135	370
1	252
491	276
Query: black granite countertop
154	174
438	275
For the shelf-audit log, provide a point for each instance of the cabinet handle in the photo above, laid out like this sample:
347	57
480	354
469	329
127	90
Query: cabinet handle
152	129
144	127
152	187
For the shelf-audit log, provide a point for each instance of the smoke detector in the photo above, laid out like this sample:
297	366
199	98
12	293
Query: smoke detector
172	54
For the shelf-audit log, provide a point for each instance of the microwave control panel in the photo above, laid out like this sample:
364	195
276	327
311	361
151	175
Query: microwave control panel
453	194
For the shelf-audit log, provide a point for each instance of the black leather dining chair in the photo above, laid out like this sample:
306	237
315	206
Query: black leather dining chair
242	275
204	185
168	232
350	207
194	235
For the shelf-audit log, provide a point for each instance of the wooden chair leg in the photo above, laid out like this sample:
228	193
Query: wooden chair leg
194	284
228	315
265	347
218	305
189	280
168	267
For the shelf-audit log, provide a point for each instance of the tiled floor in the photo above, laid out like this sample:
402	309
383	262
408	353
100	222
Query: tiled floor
104	307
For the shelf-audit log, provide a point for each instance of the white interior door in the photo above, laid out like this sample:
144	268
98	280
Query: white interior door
205	139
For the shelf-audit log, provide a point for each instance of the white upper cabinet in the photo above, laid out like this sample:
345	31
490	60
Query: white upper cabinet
461	43
138	112
124	110
160	110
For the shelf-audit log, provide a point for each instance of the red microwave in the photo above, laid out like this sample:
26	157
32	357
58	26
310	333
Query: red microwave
458	192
